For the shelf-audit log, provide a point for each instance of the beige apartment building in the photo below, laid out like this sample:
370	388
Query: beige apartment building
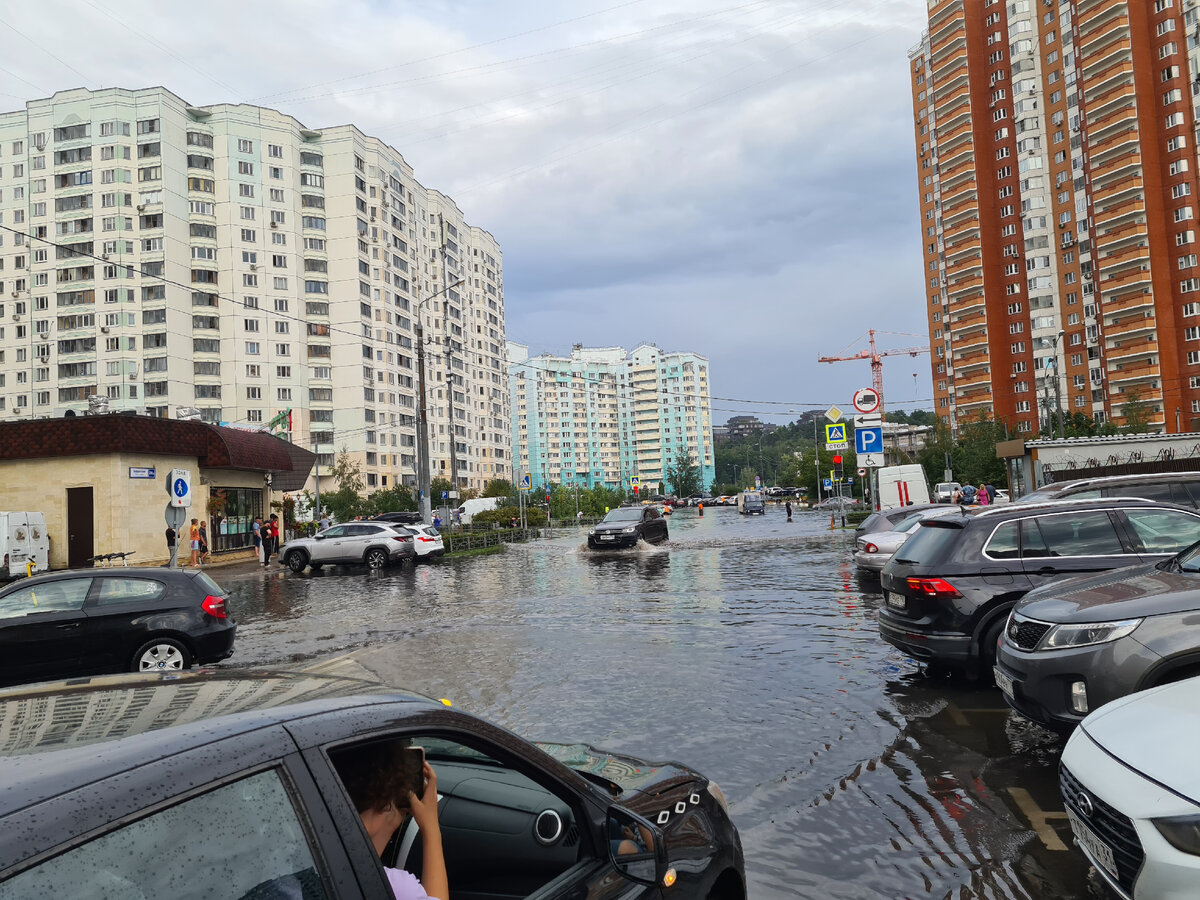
231	259
1056	152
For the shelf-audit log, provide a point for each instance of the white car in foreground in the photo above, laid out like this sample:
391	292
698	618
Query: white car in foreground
1130	778
427	541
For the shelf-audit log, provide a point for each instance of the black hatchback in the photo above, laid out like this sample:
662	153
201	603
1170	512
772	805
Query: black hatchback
91	621
949	589
625	526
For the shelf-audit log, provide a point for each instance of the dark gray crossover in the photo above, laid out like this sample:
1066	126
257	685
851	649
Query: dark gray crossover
626	525
218	784
1071	647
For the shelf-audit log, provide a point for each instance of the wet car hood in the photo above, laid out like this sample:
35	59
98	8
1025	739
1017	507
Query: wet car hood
1126	593
626	773
1154	732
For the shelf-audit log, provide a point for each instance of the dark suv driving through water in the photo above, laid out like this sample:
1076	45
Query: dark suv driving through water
626	525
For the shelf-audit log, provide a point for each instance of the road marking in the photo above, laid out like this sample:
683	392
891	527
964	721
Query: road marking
1038	818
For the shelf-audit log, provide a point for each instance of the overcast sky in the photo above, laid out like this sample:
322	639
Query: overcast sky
731	178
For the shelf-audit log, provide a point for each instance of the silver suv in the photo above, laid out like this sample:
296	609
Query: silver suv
373	544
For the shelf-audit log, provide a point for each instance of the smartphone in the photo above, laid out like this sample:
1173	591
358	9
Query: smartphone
414	774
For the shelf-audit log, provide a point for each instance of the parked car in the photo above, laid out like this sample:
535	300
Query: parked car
89	621
114	797
1131	788
873	550
427	541
1069	648
949	591
751	503
885	519
943	491
626	525
1002	496
404	518
1182	488
373	544
838	503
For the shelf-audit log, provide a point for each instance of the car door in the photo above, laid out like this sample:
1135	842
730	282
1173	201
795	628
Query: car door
42	630
326	547
1075	542
113	609
358	539
653	525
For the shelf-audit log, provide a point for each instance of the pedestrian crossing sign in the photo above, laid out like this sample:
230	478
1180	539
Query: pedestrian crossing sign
835	433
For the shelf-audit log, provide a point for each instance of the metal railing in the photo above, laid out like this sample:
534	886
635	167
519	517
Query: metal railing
476	539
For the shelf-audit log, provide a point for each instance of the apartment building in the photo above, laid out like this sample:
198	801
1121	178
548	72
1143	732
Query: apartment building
1057	175
231	259
603	415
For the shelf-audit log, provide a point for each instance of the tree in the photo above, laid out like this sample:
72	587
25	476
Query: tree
398	498
346	502
684	474
437	487
1136	412
347	473
498	487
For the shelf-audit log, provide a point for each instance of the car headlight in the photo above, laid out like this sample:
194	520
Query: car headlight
631	529
719	795
1061	636
1181	832
593	531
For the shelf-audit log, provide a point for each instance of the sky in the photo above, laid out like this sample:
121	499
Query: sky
734	178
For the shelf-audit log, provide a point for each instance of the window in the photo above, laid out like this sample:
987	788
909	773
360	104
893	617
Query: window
275	151
1078	534
55	596
245	146
155	854
1161	531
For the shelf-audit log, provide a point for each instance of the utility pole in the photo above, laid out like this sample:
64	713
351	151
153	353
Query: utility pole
317	476
817	456
422	427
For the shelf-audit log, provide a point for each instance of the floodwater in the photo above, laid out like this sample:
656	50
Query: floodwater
745	647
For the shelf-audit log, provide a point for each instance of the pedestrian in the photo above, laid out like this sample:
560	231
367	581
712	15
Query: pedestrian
513	523
324	523
991	490
270	539
437	521
701	507
170	545
257	529
788	506
958	496
205	555
981	496
579	517
194	542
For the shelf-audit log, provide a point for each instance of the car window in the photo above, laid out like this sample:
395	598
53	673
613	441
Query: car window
929	545
1004	542
128	590
208	585
239	841
652	513
1077	534
49	596
335	531
1163	530
624	514
1180	495
1146	490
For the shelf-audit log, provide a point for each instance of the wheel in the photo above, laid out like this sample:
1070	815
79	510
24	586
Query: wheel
161	655
987	649
296	561
376	558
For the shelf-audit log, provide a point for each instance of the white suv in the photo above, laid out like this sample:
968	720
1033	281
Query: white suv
374	544
1131	784
427	540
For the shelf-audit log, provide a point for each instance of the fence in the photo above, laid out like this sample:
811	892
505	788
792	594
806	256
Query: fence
475	539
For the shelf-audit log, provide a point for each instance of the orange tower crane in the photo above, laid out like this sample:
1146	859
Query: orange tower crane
876	358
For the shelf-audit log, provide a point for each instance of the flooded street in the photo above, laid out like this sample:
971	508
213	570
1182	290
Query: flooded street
745	647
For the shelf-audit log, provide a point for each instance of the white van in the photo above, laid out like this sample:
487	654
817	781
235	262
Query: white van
467	511
23	537
900	486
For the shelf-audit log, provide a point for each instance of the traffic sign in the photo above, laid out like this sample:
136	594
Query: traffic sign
635	480
868	440
526	483
871	460
867	400
445	495
833	414
835	434
828	484
179	486
862	472
872	421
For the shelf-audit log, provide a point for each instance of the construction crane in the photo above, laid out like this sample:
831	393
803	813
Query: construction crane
876	358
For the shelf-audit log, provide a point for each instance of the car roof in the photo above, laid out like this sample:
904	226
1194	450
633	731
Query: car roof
62	735
1103	480
1058	506
162	573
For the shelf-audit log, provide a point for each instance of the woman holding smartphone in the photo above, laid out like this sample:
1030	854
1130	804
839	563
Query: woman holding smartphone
388	781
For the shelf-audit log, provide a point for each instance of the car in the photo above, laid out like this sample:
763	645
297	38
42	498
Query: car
943	491
885	519
1131	788
91	621
373	544
626	525
1002	496
948	592
404	518
1181	488
427	541
873	550
231	784
1071	647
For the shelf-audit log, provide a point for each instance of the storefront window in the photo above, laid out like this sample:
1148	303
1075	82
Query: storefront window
231	514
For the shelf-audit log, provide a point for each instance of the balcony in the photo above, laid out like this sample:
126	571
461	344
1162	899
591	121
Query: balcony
1112	240
1116	120
1117	52
1120	142
1117	282
1129	327
1099	31
1116	168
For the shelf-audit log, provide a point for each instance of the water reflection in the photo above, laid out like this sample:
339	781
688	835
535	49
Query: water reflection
746	647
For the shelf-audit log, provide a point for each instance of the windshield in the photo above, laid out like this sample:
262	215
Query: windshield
910	523
625	514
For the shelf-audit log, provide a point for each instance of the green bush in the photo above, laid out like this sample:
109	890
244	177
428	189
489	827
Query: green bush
505	514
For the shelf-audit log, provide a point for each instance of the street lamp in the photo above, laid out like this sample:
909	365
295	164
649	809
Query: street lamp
1057	387
422	419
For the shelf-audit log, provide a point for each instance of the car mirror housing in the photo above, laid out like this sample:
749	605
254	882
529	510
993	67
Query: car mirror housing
318	537
637	848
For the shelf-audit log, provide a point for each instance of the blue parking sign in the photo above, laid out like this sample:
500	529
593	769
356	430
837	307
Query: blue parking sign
828	484
868	440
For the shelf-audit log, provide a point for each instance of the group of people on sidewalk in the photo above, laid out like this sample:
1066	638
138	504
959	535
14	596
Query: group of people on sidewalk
266	540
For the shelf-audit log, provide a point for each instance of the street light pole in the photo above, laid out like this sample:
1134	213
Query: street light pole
1058	387
423	419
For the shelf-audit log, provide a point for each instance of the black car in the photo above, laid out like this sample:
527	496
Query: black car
1182	488
230	785
949	589
626	525
90	621
404	518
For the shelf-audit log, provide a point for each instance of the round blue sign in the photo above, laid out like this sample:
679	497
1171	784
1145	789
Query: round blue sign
180	487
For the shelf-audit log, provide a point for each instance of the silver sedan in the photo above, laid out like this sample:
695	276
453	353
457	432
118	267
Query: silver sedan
872	551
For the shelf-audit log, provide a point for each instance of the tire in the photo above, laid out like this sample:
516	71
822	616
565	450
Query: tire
987	648
296	561
376	558
161	655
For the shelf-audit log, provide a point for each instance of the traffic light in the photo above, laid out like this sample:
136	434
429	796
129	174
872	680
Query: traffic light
837	467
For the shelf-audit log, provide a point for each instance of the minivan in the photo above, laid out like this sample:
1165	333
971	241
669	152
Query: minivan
949	589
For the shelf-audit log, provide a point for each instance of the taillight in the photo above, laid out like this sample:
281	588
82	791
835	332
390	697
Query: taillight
933	587
871	548
214	606
404	539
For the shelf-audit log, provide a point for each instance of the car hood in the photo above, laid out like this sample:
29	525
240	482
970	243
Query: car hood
1125	593
623	773
1153	732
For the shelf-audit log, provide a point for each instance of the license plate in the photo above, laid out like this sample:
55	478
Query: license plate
608	537
1090	841
1003	682
896	601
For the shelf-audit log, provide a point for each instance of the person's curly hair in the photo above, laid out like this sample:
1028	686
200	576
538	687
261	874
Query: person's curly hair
378	773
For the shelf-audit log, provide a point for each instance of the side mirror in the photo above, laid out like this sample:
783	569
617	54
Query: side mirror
318	537
637	849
